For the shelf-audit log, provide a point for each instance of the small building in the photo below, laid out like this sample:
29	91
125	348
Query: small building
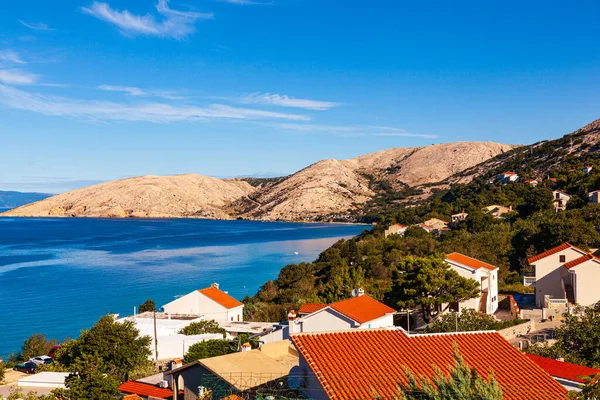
485	274
587	169
367	364
210	302
360	312
45	380
531	182
508	176
560	200
594	197
396	229
456	218
497	211
243	373
145	391
570	376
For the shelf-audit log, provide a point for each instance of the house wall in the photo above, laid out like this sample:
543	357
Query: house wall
594	197
184	305
548	275
235	314
587	276
310	387
382	322
198	304
472	304
324	320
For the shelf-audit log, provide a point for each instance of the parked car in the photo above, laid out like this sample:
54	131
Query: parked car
27	367
41	360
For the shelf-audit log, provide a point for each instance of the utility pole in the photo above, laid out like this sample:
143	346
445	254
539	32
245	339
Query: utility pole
155	339
407	321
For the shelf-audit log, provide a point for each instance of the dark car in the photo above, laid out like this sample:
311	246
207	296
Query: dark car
27	367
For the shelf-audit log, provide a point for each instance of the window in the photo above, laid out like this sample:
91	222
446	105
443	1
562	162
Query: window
563	258
231	319
238	317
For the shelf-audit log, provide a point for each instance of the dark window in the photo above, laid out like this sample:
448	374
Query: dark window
563	259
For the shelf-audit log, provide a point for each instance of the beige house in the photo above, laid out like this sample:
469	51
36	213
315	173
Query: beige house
531	182
497	211
396	229
560	200
566	273
456	218
210	303
485	274
594	197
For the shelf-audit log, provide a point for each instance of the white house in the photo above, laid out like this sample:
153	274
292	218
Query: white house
485	274
360	312
566	273
210	303
587	169
396	229
594	197
531	182
508	176
456	218
570	376
560	200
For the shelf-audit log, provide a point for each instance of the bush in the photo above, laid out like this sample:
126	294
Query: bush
36	345
148	305
201	327
207	349
467	321
2	371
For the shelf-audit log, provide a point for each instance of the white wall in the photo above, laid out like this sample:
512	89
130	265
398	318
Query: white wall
196	303
184	305
323	320
176	346
382	322
587	276
548	274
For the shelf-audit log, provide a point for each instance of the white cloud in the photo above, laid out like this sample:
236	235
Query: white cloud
113	111
287	101
174	24
11	56
17	77
40	26
352	131
135	91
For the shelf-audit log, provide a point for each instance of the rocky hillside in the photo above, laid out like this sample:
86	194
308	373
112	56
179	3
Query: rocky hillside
145	197
327	190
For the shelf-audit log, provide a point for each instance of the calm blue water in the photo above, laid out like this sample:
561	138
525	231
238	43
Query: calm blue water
58	276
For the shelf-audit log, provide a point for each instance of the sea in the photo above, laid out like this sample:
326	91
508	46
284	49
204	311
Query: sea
60	275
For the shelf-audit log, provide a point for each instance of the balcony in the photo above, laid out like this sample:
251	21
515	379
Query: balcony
529	280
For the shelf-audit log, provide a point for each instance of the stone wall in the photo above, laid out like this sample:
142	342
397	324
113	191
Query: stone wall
517	330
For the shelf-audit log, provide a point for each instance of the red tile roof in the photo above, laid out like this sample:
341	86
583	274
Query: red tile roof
308	308
220	297
547	253
358	364
469	261
561	369
362	308
508	173
581	260
145	390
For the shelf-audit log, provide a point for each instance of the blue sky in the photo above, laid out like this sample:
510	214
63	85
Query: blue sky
93	91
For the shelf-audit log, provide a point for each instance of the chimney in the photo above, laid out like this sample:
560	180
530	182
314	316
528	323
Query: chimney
246	347
361	291
214	285
292	321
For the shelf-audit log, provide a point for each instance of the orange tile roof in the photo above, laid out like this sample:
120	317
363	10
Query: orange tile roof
362	308
145	390
360	363
561	369
132	397
581	260
469	261
308	308
547	253
220	297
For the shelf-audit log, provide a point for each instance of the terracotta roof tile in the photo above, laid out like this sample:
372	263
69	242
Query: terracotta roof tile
469	261
358	364
145	390
561	369
220	297
581	260
362	308
308	308
547	253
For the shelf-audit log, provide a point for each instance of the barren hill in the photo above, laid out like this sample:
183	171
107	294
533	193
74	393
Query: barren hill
328	189
145	196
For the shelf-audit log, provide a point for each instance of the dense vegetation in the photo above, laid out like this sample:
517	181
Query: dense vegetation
373	261
468	321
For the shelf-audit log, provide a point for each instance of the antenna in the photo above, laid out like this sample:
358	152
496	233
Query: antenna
354	292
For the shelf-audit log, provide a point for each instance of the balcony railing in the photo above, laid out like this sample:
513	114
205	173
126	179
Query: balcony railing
529	280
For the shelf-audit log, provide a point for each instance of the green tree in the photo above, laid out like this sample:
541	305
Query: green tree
463	382
118	345
466	321
537	199
148	305
207	349
429	283
89	382
2	372
590	390
36	345
201	327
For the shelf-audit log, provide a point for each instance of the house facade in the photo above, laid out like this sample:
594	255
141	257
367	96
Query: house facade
360	312
497	211
587	169
456	218
508	176
396	229
485	274
565	272
210	303
366	364
594	197
560	200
